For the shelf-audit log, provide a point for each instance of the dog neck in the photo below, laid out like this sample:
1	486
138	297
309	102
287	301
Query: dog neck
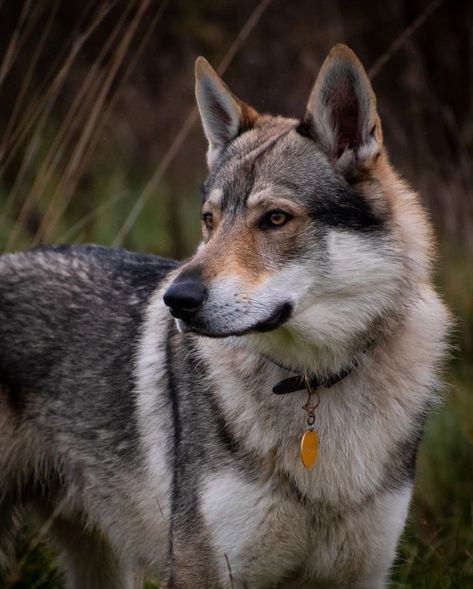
314	381
296	355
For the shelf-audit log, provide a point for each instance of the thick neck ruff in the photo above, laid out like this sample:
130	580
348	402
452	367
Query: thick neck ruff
309	443
301	381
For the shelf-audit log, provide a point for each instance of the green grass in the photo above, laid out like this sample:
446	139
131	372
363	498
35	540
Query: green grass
436	551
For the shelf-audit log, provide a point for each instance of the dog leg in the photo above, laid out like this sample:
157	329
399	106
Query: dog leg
138	577
8	529
90	561
375	581
387	523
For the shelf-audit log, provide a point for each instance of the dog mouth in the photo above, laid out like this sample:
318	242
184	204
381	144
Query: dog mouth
277	318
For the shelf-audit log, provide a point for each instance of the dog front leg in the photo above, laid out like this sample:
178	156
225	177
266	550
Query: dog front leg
383	529
90	561
191	565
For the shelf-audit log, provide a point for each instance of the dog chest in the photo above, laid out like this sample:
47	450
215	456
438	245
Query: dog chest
264	536
257	535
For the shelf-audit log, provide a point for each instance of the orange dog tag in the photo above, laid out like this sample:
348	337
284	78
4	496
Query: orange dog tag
309	447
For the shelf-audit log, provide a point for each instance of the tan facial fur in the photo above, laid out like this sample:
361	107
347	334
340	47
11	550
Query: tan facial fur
241	248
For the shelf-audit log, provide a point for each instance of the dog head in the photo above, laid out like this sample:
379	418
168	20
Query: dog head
301	240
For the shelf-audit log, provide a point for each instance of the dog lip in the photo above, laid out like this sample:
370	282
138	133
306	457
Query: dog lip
276	319
279	316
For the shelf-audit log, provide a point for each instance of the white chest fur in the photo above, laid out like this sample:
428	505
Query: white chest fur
258	537
364	423
264	538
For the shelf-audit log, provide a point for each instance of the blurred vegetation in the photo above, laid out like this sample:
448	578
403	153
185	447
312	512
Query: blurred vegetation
94	94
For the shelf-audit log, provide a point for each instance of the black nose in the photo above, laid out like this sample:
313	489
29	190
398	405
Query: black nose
185	298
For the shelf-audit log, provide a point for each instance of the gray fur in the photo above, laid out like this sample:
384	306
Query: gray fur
157	443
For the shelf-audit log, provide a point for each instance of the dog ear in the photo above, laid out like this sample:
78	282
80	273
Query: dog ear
223	115
341	112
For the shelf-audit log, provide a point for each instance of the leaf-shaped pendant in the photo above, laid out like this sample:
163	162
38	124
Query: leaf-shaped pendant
309	447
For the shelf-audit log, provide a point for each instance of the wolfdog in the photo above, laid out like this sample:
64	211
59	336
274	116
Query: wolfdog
248	418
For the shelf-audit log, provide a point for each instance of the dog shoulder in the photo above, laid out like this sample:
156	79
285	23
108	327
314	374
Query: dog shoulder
64	307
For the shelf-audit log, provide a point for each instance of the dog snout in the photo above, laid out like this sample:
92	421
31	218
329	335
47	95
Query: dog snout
185	297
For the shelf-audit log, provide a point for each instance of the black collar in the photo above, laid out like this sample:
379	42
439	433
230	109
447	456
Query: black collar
299	383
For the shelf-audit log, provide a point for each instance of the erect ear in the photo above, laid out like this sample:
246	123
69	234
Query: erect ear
223	115
341	112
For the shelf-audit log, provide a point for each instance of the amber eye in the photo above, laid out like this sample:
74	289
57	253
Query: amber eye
274	219
277	218
207	218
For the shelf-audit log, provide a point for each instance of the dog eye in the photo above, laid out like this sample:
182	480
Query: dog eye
207	218
274	219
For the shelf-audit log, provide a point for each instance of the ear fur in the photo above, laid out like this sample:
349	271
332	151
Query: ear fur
223	115
341	112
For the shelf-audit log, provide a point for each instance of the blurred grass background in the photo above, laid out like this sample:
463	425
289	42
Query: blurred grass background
99	143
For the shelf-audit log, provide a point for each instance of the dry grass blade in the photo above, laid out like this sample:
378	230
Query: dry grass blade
229	56
399	41
49	90
156	177
230	575
71	175
16	573
81	106
84	102
110	105
43	111
184	131
27	78
90	100
15	42
90	216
